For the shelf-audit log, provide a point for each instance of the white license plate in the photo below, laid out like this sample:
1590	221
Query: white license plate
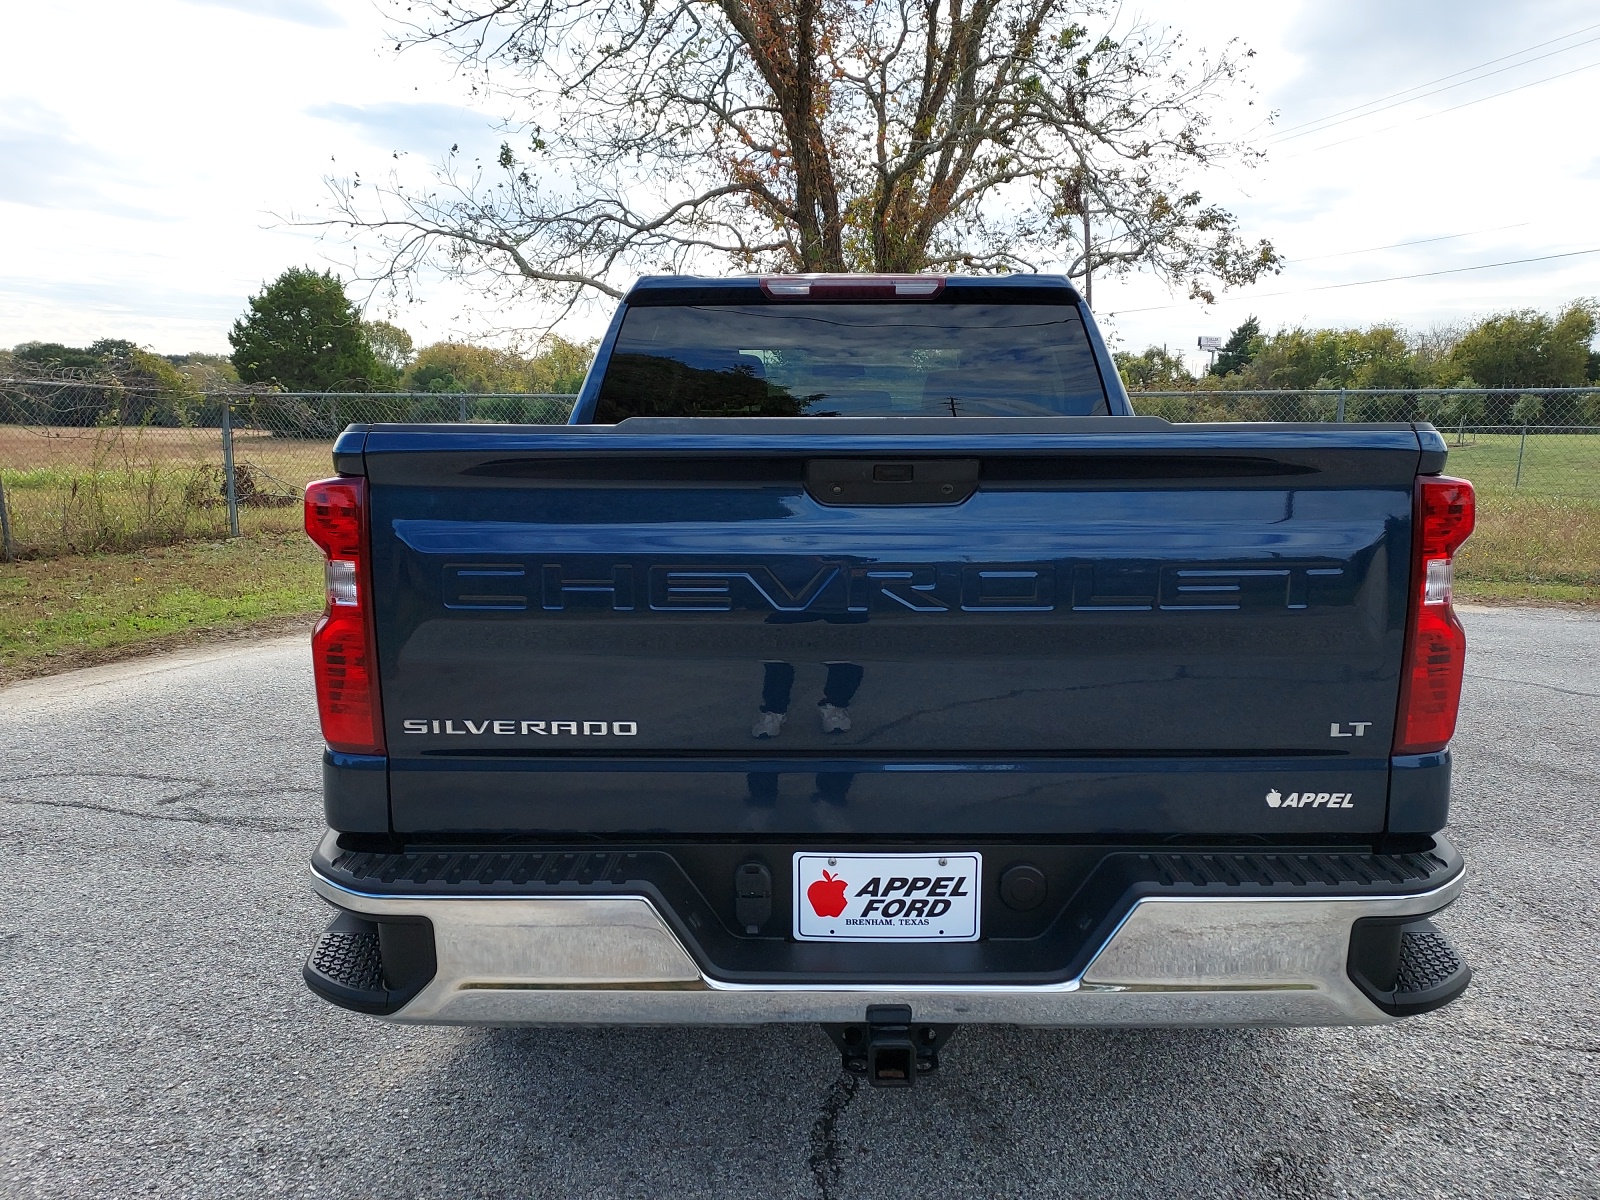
886	897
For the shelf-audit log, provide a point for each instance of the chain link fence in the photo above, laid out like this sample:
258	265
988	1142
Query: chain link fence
1532	441
95	467
88	467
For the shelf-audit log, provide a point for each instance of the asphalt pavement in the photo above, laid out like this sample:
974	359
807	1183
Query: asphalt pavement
155	1037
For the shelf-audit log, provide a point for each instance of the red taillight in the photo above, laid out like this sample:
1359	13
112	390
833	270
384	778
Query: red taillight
343	649
1436	645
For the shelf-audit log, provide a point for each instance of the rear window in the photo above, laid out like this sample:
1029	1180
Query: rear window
851	360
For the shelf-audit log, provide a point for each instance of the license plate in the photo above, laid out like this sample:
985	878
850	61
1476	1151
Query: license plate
886	897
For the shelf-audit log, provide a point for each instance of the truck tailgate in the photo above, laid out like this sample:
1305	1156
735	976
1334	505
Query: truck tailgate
1066	626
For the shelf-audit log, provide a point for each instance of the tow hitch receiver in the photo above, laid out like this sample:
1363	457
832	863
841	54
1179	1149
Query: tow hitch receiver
889	1048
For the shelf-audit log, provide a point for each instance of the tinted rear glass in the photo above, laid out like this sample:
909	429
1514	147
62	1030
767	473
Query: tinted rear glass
854	360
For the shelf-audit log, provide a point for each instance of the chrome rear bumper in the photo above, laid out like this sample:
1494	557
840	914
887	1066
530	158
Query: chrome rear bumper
1261	960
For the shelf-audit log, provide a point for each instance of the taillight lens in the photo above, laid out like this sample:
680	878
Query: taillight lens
343	649
1436	645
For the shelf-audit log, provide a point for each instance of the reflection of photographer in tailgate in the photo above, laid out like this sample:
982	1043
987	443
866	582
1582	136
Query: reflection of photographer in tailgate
777	686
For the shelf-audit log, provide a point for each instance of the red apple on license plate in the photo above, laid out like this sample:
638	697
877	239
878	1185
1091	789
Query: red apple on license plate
887	897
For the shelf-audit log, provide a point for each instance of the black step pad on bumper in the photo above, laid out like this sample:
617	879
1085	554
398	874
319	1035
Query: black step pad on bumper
562	870
1406	967
348	965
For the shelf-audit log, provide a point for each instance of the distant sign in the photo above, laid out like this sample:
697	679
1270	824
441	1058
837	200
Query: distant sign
1211	343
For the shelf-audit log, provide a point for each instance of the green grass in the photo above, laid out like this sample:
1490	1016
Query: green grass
90	490
66	612
1566	465
57	510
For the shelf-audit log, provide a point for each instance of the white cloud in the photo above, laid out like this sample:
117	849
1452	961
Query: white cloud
48	167
1513	173
416	127
315	13
146	174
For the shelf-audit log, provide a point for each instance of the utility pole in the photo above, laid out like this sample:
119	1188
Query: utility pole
1088	272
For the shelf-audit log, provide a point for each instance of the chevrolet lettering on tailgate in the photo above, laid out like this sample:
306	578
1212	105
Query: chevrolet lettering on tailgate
918	587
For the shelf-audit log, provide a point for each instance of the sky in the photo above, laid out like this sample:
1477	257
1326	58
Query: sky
154	156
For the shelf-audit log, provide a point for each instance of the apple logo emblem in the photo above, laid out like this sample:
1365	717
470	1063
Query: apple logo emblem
1274	797
827	895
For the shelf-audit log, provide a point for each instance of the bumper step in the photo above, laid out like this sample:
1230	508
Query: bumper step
1406	968
347	965
564	870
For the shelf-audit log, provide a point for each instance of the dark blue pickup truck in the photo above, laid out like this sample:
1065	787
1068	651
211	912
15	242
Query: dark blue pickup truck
856	655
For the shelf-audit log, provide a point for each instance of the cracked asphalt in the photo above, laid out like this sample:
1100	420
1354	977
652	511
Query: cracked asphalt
155	1038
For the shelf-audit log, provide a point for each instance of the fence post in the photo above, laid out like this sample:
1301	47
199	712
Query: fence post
462	403
1339	416
227	466
1522	448
5	526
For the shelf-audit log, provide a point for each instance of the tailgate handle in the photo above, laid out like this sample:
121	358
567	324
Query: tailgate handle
861	481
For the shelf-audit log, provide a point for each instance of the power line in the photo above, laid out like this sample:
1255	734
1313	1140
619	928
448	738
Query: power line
1439	113
1398	245
1329	287
1332	124
1284	134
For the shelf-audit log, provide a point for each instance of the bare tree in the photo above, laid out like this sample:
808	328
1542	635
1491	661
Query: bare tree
817	135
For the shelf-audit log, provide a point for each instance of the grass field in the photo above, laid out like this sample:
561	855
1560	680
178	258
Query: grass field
71	611
82	490
1532	547
1566	464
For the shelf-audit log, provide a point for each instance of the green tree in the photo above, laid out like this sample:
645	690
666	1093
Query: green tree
1241	346
1156	370
1379	357
206	372
435	377
124	384
1528	348
557	366
304	335
462	367
560	365
54	357
157	392
392	346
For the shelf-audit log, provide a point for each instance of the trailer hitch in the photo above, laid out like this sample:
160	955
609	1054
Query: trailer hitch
889	1047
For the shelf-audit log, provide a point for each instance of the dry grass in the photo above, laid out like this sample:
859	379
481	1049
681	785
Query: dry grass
28	446
82	490
56	614
1532	548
